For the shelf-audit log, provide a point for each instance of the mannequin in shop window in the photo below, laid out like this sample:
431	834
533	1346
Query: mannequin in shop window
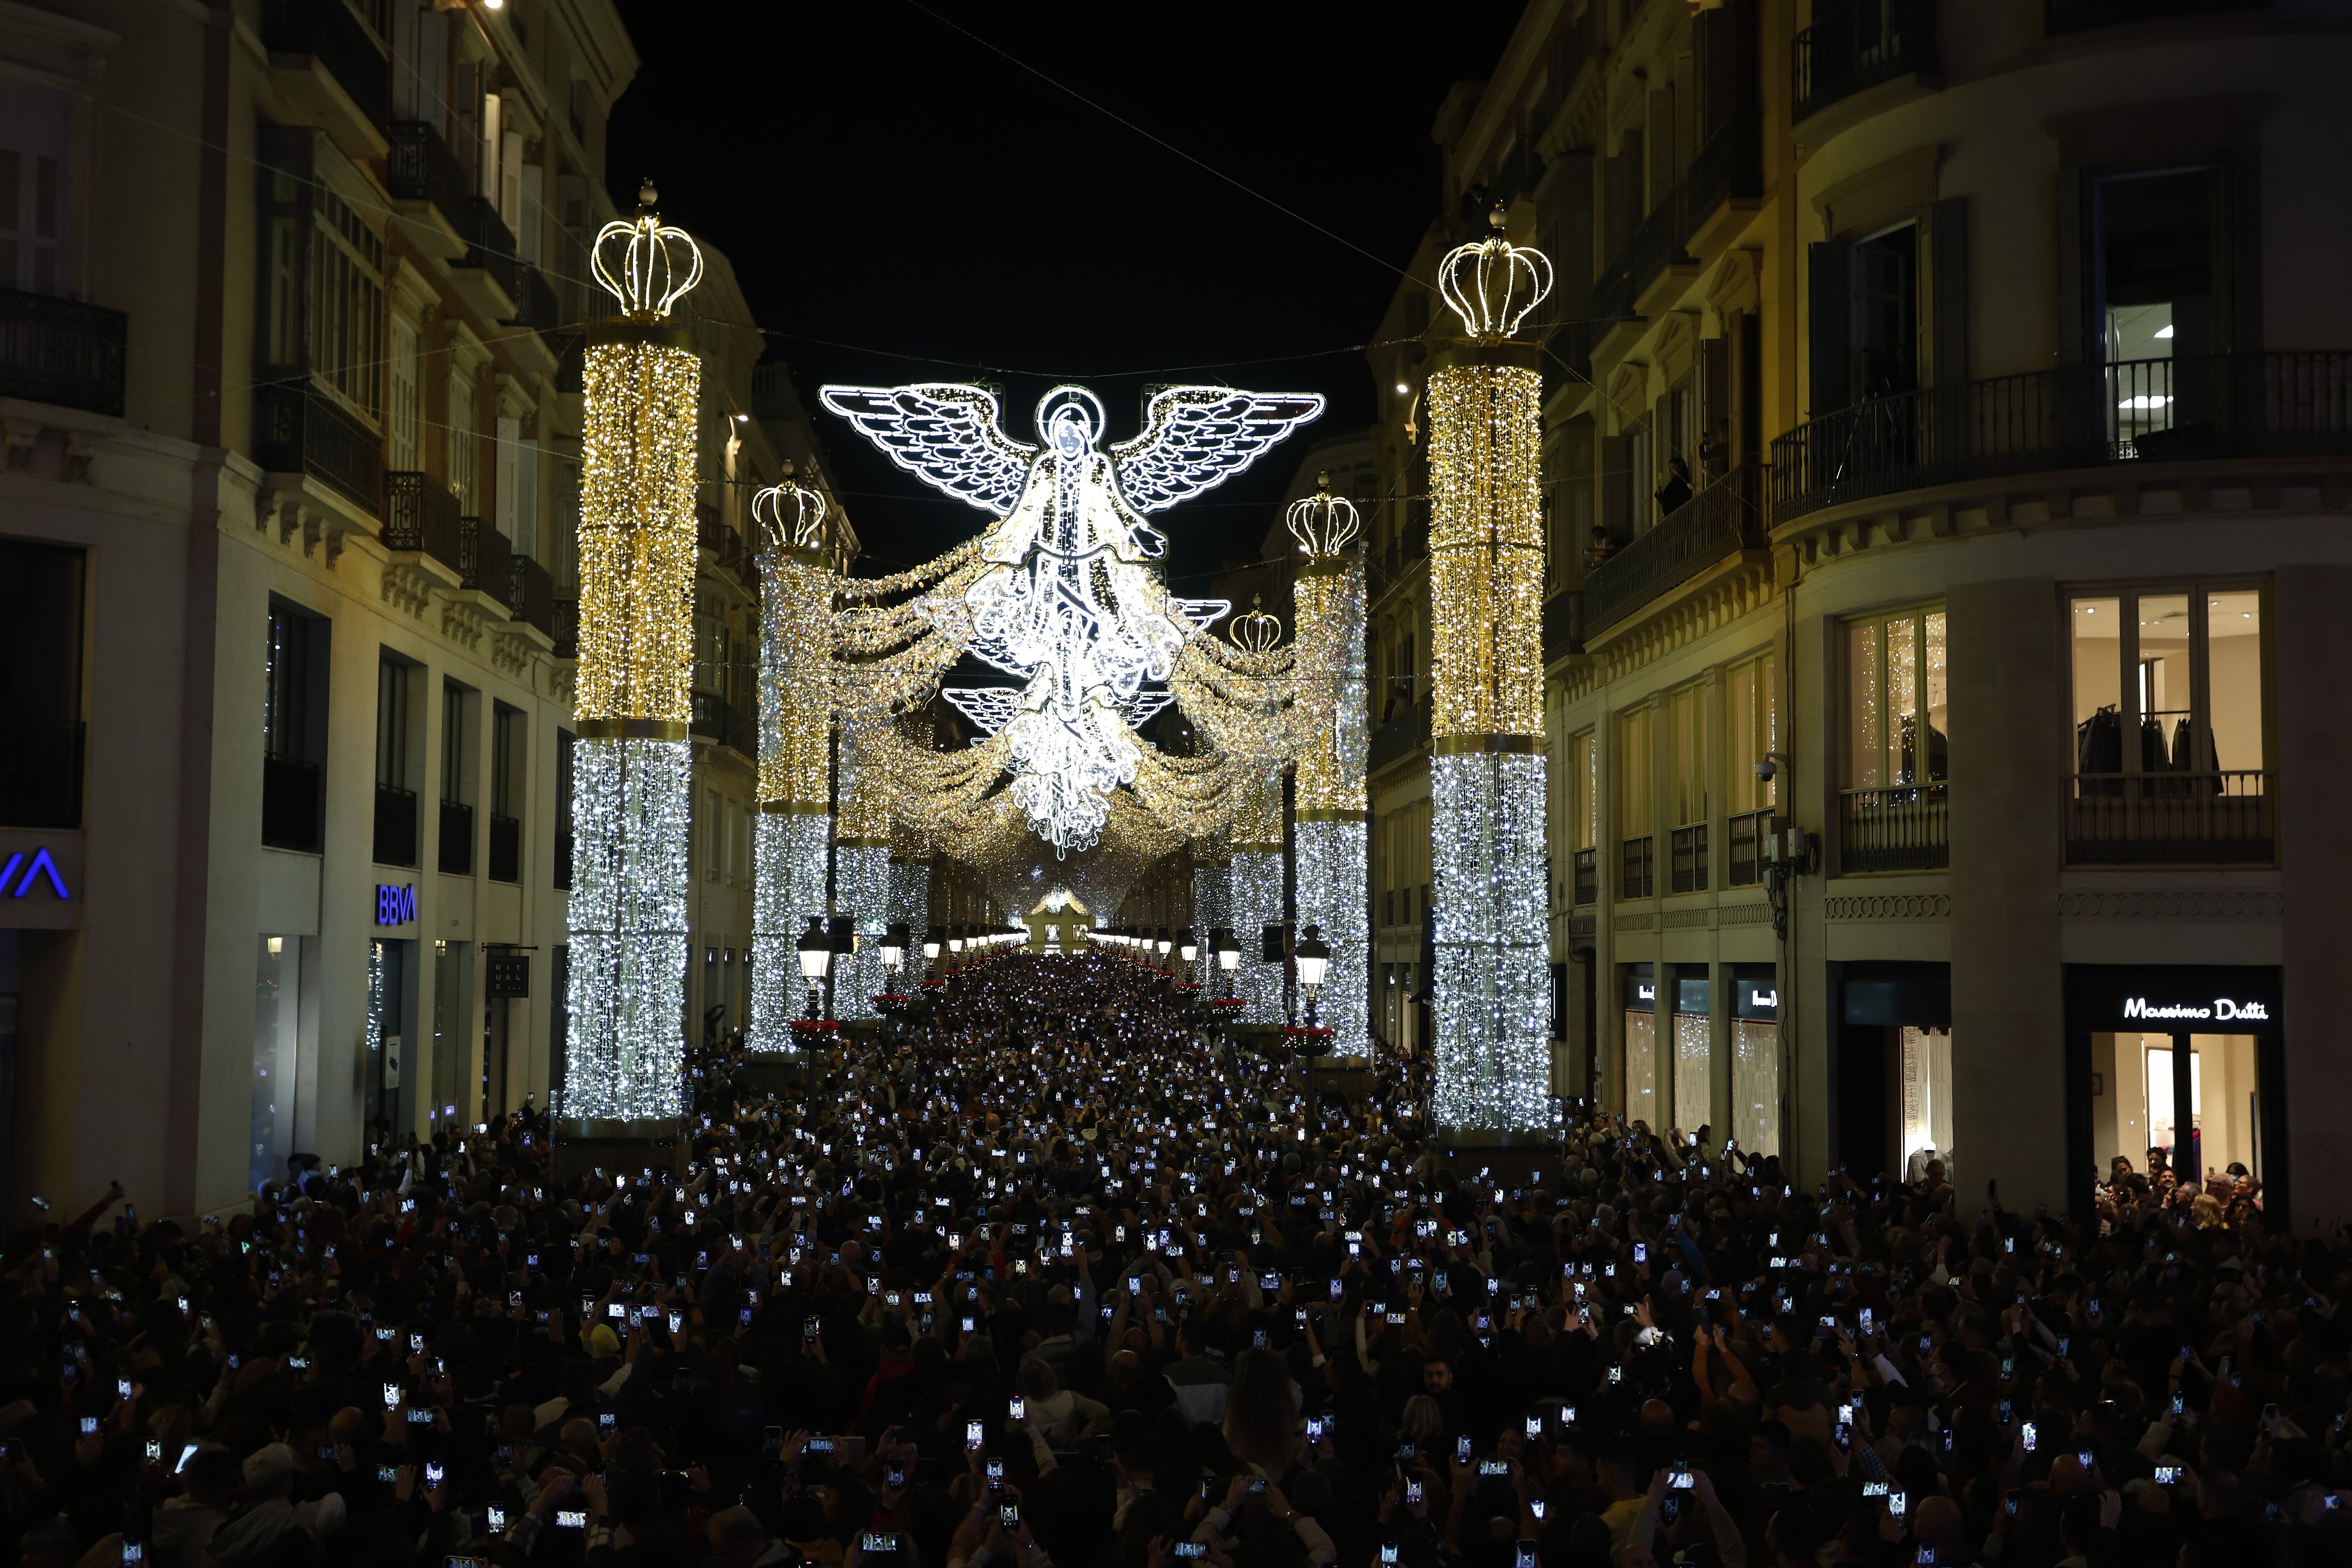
2099	748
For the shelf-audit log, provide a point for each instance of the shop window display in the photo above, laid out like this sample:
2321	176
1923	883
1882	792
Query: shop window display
1927	1068
2135	1108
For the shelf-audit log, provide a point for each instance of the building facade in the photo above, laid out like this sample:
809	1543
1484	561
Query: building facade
1946	419
292	402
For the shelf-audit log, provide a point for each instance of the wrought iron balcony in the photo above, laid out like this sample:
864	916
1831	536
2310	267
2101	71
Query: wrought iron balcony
423	169
421	517
1905	827
289	804
530	595
489	244
1586	883
1717	524
1857	45
2080	15
1405	732
395	825
563	626
485	560
1689	849
1563	624
298	429
709	718
1747	857
2171	819
457	850
506	848
1637	868
535	302
61	352
333	35
2164	410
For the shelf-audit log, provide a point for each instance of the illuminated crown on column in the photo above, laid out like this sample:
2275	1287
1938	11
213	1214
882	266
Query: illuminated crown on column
1492	284
644	266
793	513
1324	524
1257	632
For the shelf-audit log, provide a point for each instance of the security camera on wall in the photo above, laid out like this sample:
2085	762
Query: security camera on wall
1766	769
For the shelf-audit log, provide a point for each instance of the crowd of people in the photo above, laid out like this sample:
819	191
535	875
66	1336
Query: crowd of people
1045	1274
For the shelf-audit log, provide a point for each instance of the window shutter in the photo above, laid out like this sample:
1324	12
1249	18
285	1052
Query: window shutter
1830	367
1947	286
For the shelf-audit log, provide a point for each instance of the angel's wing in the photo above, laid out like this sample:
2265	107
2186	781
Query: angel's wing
1143	707
946	434
1198	436
990	707
1203	613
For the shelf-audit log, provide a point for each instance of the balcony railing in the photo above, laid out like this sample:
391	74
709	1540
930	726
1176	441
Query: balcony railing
423	169
1730	167
1904	829
1689	850
1586	883
535	305
2171	819
1859	44
420	517
329	33
1713	525
297	429
1655	245
530	595
563	626
61	352
1563	624
485	560
1747	857
395	825
40	772
563	862
289	804
489	243
709	716
2078	16
2159	410
457	856
1406	731
506	848
1637	868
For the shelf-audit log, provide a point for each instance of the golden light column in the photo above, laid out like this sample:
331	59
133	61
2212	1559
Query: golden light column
795	828
1332	837
631	767
1491	991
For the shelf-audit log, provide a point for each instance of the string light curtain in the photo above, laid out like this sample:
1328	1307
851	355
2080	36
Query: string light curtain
1256	882
1333	831
633	764
1491	986
795	827
861	879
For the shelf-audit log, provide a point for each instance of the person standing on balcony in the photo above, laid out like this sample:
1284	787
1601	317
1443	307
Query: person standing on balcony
1677	490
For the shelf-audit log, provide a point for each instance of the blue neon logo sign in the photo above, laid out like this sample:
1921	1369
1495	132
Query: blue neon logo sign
395	906
42	865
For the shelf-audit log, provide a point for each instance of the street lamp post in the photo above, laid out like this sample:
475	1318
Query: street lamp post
816	948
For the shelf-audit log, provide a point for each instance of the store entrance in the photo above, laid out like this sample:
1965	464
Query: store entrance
1893	1069
2176	1072
392	1002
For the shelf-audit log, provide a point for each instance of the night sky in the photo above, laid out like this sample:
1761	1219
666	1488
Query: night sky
902	202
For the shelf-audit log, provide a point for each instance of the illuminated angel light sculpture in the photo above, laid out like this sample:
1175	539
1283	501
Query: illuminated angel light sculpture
1068	601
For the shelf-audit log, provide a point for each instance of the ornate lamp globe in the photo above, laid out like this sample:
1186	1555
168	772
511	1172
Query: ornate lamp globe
1314	955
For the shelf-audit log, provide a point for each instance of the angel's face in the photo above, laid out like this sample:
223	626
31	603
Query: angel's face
1072	435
